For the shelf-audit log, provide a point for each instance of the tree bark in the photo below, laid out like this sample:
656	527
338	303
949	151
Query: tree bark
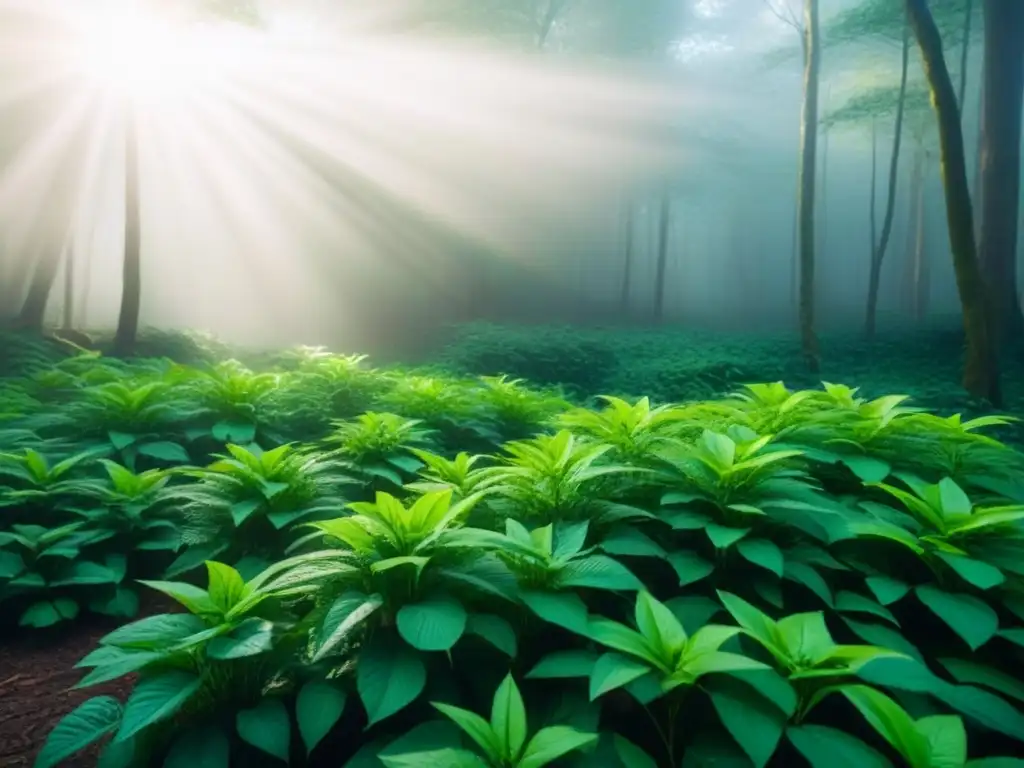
880	246
922	273
69	287
805	205
659	279
965	50
1000	161
913	250
981	374
627	267
131	291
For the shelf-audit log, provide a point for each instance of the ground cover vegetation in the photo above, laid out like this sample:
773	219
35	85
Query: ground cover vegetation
397	568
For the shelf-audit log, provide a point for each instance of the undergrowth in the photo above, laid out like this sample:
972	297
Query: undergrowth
383	568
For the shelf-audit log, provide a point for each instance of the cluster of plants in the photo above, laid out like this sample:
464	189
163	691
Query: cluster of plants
774	577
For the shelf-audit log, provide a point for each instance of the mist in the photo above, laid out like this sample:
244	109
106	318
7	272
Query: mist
360	179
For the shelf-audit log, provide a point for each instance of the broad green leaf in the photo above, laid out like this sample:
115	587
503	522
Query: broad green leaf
389	676
345	614
630	755
253	636
156	698
495	630
890	721
973	620
723	537
598	572
810	578
267	727
554	742
165	451
806	637
689	566
226	585
564	609
46	613
244	509
85	724
755	723
763	553
758	625
973	673
158	631
195	599
851	602
200	748
508	719
946	738
318	707
564	664
883	636
975	572
659	625
826	747
432	625
613	670
475	727
444	757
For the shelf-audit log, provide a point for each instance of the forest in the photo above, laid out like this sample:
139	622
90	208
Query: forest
511	383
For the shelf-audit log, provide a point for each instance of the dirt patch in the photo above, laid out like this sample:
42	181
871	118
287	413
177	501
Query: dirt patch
37	676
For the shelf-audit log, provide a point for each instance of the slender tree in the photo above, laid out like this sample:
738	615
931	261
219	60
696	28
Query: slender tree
1000	160
664	218
981	374
808	156
131	290
627	266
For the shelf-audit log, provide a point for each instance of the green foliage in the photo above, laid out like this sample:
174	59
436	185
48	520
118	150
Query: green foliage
762	577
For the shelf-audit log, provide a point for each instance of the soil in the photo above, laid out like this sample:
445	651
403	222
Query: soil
37	676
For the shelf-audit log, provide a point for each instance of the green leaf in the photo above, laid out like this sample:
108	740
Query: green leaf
562	664
630	755
973	620
253	636
884	637
563	609
478	729
508	719
851	602
659	625
165	451
689	566
826	747
244	509
612	671
432	625
598	572
226	586
200	748
195	599
554	742
158	631
975	572
890	721
87	723
121	440
45	613
267	727
723	537
755	723
345	614
810	578
946	737
156	698
495	630
389	677
973	673
763	553
866	468
318	707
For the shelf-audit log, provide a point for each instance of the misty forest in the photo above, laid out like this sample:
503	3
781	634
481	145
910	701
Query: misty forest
511	383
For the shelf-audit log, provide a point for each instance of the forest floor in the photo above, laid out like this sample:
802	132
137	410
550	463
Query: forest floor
37	679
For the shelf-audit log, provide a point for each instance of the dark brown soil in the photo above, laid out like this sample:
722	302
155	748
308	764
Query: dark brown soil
36	678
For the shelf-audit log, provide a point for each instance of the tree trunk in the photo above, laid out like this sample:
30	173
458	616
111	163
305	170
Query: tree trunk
805	206
912	274
873	278
981	374
965	50
922	273
1000	161
659	279
627	267
879	248
131	291
69	287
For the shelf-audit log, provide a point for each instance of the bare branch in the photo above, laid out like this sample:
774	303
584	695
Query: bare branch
783	11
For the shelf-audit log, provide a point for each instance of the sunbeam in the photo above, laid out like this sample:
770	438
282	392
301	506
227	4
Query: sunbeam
306	169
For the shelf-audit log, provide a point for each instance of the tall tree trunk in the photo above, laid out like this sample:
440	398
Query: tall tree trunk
911	272
981	373
659	279
922	272
69	287
805	206
965	50
627	267
131	290
873	213
1000	161
880	246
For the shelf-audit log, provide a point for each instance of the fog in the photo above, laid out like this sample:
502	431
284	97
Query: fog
359	179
